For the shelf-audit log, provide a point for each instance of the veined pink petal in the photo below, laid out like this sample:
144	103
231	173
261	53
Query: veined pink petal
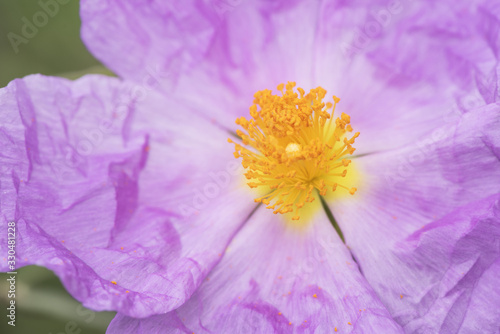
276	278
129	199
405	190
459	258
394	93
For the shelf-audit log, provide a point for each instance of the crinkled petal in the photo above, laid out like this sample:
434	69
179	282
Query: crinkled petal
458	257
147	37
434	46
200	52
277	278
407	56
176	37
409	72
401	191
115	191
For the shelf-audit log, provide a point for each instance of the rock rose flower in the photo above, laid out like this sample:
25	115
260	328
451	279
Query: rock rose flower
129	191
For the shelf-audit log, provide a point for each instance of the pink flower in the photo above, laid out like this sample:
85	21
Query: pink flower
128	190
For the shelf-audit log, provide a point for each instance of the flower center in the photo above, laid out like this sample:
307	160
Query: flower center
292	149
292	146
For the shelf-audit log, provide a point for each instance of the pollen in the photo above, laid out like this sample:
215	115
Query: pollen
293	146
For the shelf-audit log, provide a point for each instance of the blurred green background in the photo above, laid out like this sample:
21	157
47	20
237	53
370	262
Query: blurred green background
43	305
56	49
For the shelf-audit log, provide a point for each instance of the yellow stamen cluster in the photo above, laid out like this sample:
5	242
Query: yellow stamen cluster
294	146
